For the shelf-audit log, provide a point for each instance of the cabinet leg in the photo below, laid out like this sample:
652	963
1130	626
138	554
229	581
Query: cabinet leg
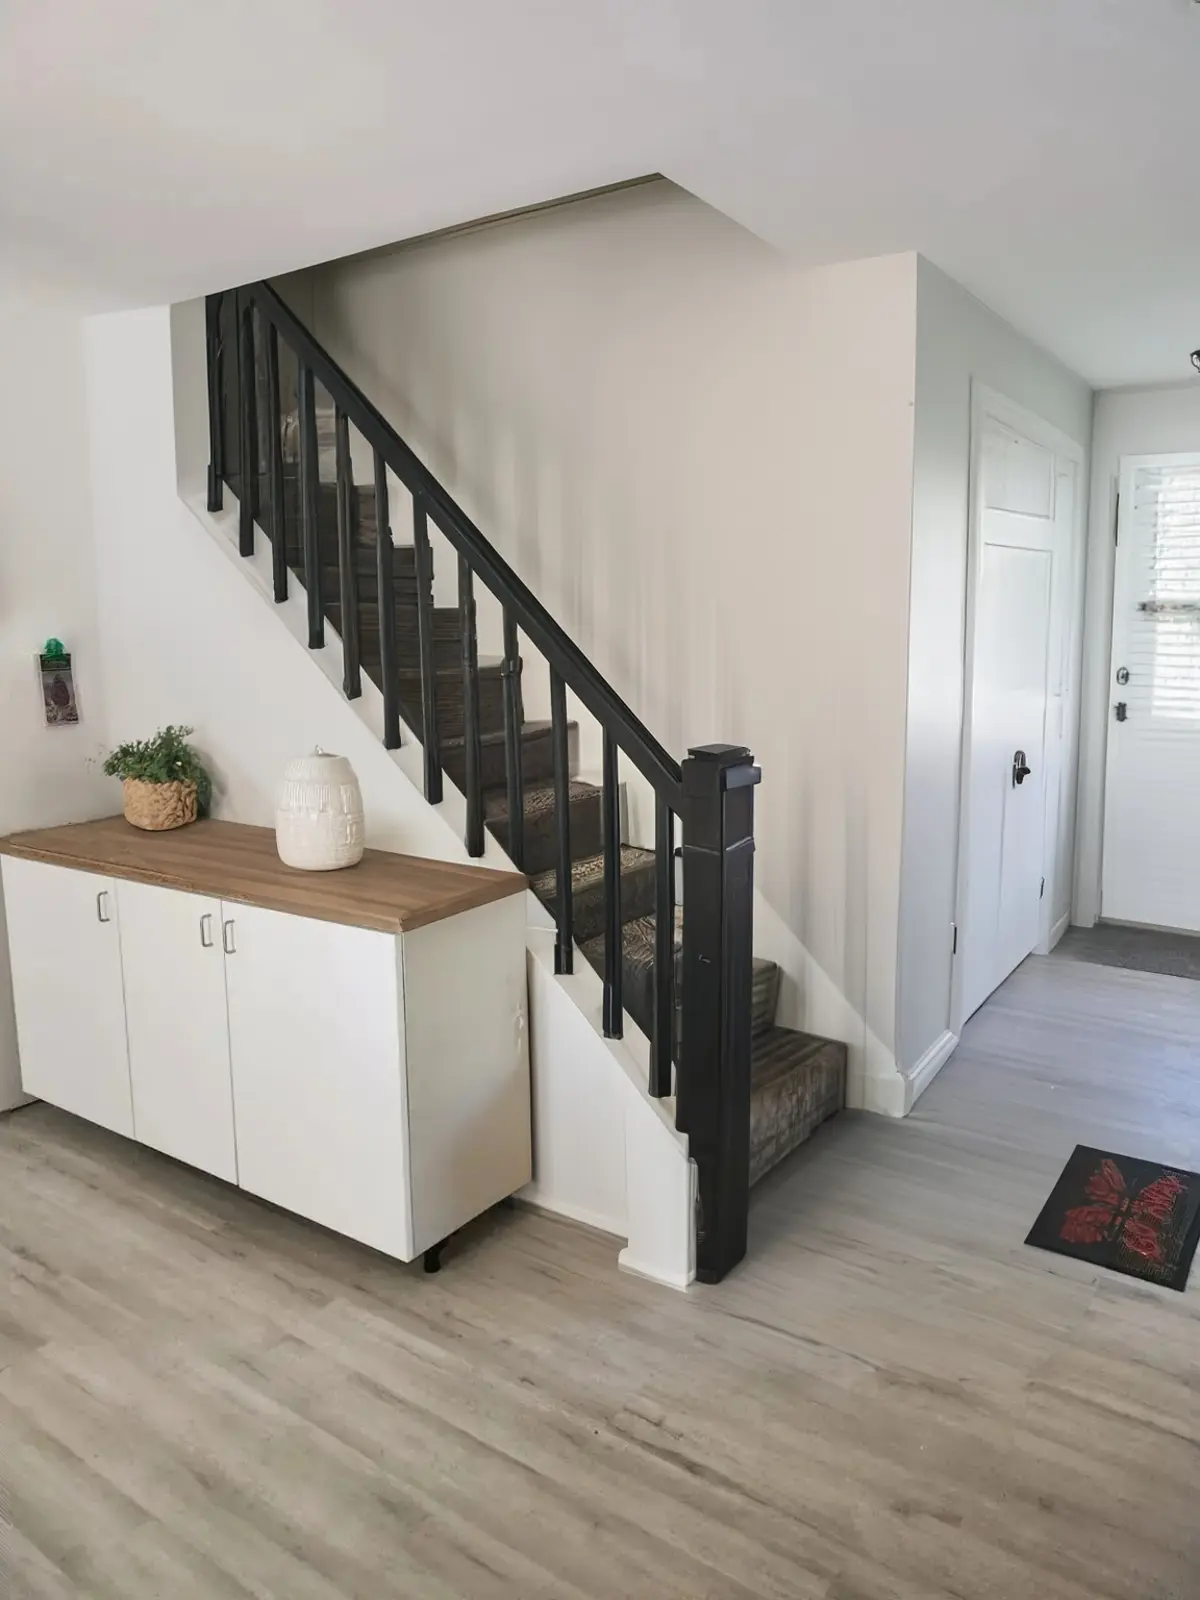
433	1257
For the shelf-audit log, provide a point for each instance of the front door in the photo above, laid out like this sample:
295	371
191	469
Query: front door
1152	787
1025	509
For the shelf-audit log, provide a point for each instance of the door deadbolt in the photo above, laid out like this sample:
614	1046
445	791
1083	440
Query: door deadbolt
1020	770
1122	676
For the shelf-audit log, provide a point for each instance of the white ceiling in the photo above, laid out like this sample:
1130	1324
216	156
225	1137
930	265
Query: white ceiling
1044	152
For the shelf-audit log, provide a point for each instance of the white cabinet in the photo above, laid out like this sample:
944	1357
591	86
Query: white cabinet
178	1026
65	951
315	1015
370	1075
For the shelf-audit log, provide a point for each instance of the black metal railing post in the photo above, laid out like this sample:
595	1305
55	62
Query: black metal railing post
216	433
564	910
347	541
472	754
310	490
423	568
662	1037
610	802
713	1094
385	582
275	482
514	717
248	432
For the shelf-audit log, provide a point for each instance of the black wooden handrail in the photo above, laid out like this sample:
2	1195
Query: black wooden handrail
622	724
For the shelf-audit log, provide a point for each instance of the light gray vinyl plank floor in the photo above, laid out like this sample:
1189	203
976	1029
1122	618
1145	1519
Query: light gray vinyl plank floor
893	1399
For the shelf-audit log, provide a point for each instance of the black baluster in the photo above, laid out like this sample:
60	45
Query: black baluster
387	609
279	563
713	1090
564	944
423	561
664	948
472	756
347	508
513	719
614	1019
309	499
216	450
248	465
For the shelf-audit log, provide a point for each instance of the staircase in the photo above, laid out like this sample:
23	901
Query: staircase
679	977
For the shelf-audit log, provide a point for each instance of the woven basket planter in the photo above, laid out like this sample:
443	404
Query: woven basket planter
158	806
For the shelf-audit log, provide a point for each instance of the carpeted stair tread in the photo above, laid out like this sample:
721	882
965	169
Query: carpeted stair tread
587	878
541	822
638	938
797	1081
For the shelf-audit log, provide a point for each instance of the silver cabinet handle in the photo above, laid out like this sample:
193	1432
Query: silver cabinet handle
206	937
227	943
102	907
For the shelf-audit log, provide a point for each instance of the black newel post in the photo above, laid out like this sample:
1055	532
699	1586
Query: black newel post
713	1103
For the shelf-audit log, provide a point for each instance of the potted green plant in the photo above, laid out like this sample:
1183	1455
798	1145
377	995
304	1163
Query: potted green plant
166	783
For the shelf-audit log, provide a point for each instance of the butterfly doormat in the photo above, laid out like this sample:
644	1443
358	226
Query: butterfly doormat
1131	1216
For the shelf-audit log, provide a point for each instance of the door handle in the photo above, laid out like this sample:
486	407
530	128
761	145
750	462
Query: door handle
1019	769
206	937
102	907
227	943
1122	710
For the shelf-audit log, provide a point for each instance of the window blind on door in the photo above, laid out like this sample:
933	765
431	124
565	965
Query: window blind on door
1162	651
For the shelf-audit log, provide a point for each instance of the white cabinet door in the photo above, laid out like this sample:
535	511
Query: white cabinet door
178	1025
318	1072
65	950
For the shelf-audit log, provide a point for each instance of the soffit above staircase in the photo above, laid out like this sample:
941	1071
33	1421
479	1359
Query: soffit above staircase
1038	150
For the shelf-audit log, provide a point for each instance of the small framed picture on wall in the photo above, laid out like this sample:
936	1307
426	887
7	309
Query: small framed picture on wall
60	707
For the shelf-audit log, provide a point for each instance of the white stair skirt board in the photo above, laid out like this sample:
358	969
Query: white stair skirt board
572	1063
928	1067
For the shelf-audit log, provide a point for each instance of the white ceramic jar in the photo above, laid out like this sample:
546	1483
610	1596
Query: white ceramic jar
319	814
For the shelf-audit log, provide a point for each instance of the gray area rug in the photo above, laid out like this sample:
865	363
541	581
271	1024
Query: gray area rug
1141	949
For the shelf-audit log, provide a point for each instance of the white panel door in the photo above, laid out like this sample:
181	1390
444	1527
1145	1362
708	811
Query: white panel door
318	1072
1024	511
65	949
178	1025
1151	870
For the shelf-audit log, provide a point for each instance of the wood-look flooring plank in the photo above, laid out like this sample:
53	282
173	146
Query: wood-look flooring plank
893	1399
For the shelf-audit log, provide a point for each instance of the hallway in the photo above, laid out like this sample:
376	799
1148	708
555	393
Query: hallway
894	1399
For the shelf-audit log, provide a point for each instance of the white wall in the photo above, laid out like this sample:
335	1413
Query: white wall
1128	422
958	340
46	584
700	459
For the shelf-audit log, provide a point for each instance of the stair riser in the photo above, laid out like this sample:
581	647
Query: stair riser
449	700
447	649
637	900
639	984
787	1107
764	998
541	838
537	761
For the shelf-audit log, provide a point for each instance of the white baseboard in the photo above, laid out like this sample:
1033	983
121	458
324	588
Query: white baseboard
1059	928
928	1067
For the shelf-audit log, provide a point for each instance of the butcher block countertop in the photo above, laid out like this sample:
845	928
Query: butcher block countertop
230	861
